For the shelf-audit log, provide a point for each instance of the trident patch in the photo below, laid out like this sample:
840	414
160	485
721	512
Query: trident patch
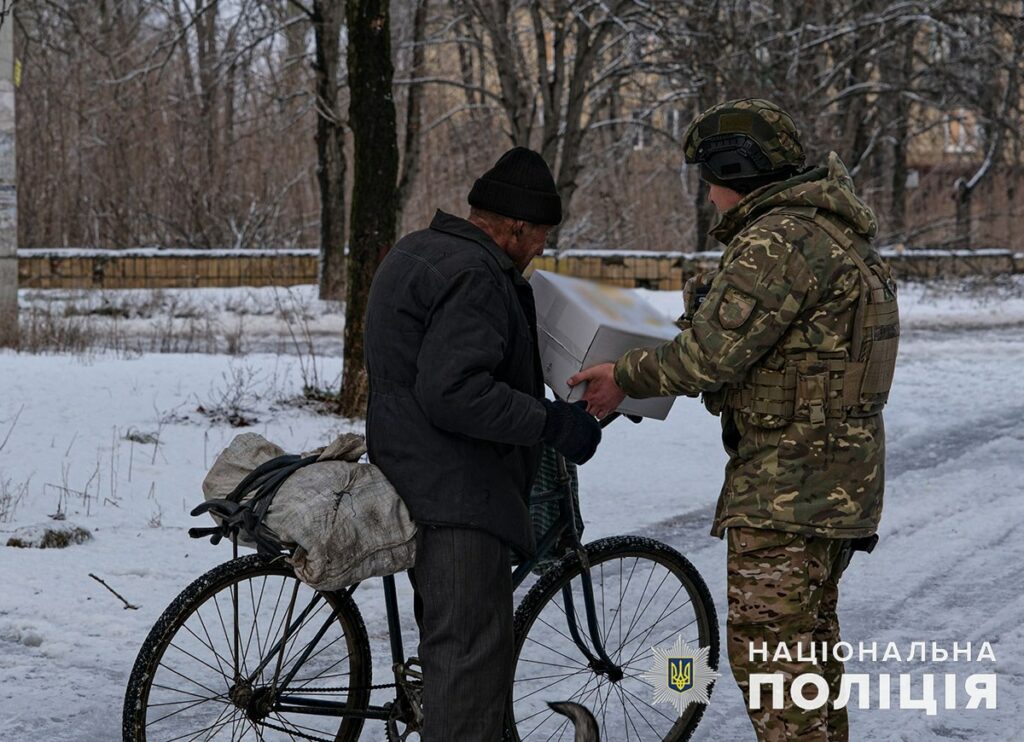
680	673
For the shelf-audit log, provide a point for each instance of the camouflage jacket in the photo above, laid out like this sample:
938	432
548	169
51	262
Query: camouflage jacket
784	289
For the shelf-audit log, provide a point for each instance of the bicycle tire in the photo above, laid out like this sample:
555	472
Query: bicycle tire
549	585
189	602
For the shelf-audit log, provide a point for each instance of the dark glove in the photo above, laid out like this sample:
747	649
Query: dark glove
571	430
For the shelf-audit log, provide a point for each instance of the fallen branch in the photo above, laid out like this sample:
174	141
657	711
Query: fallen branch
11	429
117	595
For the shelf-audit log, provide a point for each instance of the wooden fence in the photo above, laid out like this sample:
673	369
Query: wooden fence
152	268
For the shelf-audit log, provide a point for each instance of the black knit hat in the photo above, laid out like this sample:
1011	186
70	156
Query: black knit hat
519	186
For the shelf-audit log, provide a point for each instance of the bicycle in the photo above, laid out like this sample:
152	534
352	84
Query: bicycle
580	632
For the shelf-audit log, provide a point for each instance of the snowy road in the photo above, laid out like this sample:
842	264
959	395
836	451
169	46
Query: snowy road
947	567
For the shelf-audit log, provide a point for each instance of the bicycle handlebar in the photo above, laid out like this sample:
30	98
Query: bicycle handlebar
609	419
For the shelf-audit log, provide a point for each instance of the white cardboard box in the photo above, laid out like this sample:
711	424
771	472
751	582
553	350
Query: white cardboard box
583	323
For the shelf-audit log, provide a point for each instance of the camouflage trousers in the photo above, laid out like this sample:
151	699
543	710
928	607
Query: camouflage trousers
783	588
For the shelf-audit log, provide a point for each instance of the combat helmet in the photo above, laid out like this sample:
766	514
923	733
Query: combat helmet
743	144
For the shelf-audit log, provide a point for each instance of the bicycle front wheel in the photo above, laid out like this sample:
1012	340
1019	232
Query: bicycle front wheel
646	594
215	664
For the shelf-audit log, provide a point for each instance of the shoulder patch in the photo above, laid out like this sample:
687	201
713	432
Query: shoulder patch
734	308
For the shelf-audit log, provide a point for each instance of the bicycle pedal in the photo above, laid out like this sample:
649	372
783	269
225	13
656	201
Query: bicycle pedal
416	674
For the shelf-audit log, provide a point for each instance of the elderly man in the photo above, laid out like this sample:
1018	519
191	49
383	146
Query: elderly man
794	346
456	418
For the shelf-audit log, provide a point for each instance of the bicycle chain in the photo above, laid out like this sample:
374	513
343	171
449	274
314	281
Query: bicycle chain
295	733
341	689
338	689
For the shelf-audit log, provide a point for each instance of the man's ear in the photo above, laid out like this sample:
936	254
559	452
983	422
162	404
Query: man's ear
518	226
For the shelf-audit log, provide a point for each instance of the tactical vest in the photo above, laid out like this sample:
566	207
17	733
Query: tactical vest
812	385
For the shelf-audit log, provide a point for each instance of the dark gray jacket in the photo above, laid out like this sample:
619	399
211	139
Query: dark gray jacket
454	418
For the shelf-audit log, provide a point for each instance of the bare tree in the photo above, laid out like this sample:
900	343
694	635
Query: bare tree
150	122
374	190
554	64
413	137
8	191
327	17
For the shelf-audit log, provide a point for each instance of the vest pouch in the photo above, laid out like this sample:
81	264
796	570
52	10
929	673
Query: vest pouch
883	330
766	399
880	335
714	401
812	392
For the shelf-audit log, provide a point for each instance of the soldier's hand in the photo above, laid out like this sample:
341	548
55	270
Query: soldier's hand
603	395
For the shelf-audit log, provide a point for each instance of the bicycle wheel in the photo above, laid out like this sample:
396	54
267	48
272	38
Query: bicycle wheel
196	677
645	594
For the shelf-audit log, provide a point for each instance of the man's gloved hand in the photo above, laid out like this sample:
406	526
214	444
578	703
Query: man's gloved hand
571	430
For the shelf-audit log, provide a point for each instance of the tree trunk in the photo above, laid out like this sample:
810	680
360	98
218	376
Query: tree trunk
900	140
8	193
374	191
962	196
330	148
413	115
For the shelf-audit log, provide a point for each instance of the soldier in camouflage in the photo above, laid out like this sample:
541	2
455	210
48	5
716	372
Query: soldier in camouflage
793	344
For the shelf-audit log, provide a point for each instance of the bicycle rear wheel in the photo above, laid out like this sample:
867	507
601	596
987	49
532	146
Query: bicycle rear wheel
212	666
645	594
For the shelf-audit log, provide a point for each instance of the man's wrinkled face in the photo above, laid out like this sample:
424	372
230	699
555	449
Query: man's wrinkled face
527	242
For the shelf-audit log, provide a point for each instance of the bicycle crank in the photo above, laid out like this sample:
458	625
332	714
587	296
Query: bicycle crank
407	710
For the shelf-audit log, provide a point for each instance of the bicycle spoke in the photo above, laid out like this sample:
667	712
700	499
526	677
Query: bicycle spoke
658	711
626	718
690	623
625	587
191	680
255	616
637	614
273	622
234	726
217	724
198	614
305	622
551	649
643	639
662	615
224	628
579	692
556	682
324	674
201	662
557	631
192	705
182	692
297	727
552	664
618	607
604	707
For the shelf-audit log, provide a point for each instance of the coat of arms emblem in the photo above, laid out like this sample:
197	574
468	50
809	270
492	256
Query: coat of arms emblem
681	675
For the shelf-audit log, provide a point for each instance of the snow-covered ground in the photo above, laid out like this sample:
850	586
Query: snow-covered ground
77	436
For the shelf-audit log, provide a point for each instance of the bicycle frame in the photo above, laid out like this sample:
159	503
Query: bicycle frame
594	652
